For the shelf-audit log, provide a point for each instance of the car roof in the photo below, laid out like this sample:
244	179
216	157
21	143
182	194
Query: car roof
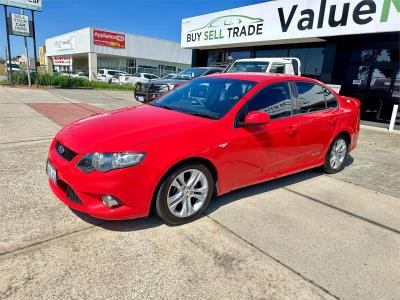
261	77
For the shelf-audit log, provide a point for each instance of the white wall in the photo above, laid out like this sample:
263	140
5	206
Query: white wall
70	43
80	41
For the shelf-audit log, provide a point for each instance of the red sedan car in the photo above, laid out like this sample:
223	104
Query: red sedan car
203	139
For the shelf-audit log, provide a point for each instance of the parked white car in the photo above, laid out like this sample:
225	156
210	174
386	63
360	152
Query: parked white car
136	78
81	74
106	75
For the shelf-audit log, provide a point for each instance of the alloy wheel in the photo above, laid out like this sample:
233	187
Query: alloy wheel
187	193
338	154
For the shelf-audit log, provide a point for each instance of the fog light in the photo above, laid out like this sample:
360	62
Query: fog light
111	201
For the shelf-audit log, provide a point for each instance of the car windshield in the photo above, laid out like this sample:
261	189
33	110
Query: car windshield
205	97
249	66
190	73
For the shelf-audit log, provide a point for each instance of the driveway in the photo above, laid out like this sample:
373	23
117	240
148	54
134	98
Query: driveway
306	236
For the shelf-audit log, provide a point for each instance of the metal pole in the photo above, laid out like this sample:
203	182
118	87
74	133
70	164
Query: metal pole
9	73
394	117
27	56
34	47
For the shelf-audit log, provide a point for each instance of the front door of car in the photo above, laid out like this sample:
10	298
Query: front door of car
261	152
317	121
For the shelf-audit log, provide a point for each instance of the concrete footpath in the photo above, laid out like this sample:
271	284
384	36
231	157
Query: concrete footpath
307	236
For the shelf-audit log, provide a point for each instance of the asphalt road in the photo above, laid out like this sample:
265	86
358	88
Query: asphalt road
307	236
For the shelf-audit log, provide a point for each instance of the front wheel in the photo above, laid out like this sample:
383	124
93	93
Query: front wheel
336	157
184	194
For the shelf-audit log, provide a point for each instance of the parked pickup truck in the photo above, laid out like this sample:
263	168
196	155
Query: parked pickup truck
278	65
151	90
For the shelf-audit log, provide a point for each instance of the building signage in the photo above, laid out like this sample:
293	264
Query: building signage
62	61
20	25
108	39
27	4
42	55
289	19
66	43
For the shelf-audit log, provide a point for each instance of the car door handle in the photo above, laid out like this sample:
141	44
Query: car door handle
291	130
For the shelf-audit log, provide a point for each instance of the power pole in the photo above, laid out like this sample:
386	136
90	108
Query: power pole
34	47
9	73
27	56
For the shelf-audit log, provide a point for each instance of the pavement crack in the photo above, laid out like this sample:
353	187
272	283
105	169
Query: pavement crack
27	141
393	230
51	239
274	258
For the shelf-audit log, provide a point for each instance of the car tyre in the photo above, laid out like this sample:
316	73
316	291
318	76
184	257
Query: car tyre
336	156
184	194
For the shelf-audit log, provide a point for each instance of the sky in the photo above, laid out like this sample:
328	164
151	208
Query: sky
154	18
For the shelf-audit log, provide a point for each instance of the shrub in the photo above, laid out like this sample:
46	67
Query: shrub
21	78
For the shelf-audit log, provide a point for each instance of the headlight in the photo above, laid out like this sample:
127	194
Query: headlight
166	88
105	162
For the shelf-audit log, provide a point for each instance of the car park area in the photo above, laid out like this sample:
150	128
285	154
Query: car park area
306	236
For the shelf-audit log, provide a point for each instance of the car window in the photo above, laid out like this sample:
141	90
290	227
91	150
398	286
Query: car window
213	72
211	97
311	97
147	76
249	66
331	101
277	68
112	73
274	99
101	71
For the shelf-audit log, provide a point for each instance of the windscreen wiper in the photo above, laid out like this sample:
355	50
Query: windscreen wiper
198	114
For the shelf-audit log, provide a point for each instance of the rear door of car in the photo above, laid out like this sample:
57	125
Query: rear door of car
269	150
317	120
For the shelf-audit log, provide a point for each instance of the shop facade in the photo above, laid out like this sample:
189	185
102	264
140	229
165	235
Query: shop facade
351	43
91	49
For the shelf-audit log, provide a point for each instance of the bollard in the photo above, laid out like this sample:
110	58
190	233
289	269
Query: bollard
394	116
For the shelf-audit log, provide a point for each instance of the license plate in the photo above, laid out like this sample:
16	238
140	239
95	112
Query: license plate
52	172
140	98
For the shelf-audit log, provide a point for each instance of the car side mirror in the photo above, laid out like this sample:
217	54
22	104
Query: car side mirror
255	118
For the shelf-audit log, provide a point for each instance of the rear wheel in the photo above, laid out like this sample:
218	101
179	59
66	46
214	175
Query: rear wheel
184	194
336	157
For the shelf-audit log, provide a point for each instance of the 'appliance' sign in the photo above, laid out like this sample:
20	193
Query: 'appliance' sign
108	39
290	19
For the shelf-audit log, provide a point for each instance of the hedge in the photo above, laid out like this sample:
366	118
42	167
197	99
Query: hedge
21	78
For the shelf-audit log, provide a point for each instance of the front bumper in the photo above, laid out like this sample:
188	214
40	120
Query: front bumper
133	186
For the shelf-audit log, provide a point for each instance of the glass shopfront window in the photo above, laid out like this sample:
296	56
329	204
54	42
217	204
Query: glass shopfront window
272	53
311	60
239	54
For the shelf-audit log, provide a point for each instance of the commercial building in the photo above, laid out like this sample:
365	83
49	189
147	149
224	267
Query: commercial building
91	49
352	43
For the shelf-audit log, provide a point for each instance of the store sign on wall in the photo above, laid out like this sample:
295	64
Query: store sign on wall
108	39
65	44
62	60
27	4
290	19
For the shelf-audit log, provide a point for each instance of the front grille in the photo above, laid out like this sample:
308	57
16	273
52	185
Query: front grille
152	88
64	152
71	195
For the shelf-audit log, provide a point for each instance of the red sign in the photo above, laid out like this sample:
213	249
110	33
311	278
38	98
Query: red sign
108	39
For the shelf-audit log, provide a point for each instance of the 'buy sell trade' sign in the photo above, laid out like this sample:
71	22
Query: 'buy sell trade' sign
108	39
